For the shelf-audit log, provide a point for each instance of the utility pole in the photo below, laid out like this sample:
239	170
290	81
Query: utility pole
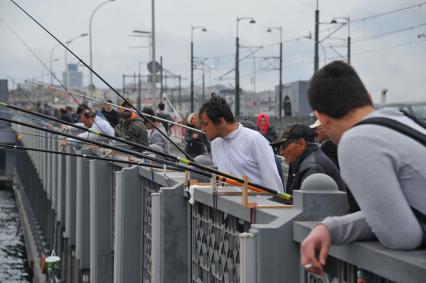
316	57
237	76
280	93
139	92
161	78
349	40
203	29
154	76
124	87
180	90
280	86
192	76
203	86
237	66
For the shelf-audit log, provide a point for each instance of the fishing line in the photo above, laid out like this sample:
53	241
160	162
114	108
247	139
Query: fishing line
102	79
143	164
115	105
185	162
32	52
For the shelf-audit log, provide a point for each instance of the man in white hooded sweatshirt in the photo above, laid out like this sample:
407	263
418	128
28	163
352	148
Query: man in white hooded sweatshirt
238	150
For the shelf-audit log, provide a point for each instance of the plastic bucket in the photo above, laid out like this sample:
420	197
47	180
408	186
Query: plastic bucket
53	263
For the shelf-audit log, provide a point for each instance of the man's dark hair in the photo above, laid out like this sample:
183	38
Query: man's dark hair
126	104
148	111
83	108
336	90
216	108
161	106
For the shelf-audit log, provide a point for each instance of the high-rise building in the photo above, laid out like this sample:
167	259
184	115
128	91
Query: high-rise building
72	78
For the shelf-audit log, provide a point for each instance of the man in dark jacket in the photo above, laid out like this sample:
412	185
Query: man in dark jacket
110	114
131	127
196	143
327	146
297	145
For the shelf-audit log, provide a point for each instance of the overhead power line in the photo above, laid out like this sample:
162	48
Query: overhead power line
383	48
388	33
388	12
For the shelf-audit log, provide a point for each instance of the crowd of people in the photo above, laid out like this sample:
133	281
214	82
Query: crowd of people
122	122
378	164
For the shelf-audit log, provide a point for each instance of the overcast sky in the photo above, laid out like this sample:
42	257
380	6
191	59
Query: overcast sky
388	51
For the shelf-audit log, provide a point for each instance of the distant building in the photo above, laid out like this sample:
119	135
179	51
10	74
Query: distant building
295	99
72	77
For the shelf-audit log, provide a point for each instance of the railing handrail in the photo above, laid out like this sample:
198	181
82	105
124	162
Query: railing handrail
397	266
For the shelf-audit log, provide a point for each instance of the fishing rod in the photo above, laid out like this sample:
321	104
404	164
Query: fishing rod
180	162
36	56
105	145
162	161
102	79
98	133
143	164
71	93
115	105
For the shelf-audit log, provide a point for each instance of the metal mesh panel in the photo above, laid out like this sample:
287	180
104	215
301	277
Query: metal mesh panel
113	182
148	188
215	245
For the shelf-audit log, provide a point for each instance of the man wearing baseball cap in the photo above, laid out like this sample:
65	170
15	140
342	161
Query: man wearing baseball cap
297	145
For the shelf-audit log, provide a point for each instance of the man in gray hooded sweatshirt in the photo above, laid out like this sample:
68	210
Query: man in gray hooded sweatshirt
384	169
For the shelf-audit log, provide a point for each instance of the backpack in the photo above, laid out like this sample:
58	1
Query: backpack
410	132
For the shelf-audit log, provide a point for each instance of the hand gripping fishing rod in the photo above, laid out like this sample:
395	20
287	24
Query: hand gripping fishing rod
115	105
143	164
180	162
102	79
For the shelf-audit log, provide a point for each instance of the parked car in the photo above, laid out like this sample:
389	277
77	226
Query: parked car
418	109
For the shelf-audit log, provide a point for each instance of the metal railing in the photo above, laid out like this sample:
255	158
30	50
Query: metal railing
138	226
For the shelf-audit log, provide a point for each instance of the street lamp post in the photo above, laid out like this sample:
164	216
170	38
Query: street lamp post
139	88
68	42
51	63
317	41
237	66
154	77
280	87
148	34
202	28
90	38
348	23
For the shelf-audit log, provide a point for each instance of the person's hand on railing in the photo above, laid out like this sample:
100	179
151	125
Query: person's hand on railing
317	240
